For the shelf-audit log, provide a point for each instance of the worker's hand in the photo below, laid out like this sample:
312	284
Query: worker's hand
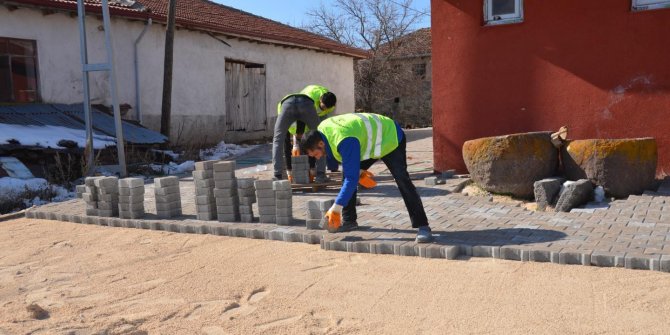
365	179
296	151
334	217
289	176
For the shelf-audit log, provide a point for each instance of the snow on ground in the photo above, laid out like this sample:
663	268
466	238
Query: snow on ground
220	151
223	150
15	187
48	136
169	153
173	168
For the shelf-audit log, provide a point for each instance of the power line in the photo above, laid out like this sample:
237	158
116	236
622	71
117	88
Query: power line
410	8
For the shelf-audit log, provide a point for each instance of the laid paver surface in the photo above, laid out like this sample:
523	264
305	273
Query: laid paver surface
632	233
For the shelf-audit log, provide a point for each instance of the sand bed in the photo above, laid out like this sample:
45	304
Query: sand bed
123	281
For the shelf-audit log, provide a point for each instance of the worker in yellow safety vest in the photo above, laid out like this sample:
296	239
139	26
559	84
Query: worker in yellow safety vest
357	141
297	113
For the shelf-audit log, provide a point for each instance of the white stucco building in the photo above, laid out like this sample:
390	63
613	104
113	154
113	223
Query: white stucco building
230	67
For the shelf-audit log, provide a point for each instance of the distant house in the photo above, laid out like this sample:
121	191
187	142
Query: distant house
506	66
405	90
230	67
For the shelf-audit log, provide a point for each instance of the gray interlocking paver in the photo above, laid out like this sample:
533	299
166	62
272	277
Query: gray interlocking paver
632	233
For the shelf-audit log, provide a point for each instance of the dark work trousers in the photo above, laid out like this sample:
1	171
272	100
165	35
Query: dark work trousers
288	151
396	162
294	108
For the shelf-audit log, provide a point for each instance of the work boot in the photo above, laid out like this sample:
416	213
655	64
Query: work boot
321	178
347	226
424	235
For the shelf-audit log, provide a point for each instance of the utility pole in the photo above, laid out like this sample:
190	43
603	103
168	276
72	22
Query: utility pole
166	108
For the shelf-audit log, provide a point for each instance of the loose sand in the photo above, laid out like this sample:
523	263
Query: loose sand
94	279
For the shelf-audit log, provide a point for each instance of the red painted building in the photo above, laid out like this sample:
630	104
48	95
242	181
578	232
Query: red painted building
601	67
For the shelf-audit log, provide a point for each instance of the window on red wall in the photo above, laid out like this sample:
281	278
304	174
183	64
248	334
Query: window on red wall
649	4
18	70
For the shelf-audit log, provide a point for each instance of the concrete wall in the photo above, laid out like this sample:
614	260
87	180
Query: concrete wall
594	66
198	96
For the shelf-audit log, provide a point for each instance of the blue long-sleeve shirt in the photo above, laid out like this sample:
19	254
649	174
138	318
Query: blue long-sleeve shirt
350	150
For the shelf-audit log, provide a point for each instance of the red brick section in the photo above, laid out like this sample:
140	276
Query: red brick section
210	16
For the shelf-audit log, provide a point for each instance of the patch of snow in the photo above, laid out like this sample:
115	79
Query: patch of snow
223	150
14	187
599	194
48	136
173	168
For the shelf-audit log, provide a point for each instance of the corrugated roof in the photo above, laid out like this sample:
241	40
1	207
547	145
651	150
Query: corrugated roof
72	116
209	16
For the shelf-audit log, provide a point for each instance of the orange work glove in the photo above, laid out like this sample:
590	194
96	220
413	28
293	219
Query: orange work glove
312	175
290	177
296	148
334	217
365	179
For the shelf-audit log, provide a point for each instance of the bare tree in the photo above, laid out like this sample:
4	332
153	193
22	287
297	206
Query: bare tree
376	26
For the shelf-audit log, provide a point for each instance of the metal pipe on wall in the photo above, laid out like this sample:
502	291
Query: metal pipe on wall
138	112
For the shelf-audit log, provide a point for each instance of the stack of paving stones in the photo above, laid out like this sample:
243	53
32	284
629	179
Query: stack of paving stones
300	169
108	196
225	192
80	189
265	196
168	199
283	202
205	203
316	212
247	194
131	198
90	196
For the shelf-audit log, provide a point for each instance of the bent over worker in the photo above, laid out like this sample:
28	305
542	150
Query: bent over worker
358	140
296	111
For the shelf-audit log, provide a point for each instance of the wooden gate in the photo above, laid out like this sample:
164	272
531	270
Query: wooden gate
245	96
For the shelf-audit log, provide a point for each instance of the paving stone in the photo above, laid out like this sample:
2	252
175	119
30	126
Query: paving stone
108	197
224	176
313	224
224	166
281	185
228	217
267	210
247	201
225	184
283	195
639	261
131	207
247	217
107	183
203	175
108	212
284	203
131	199
164	191
284	220
131	214
205	165
106	206
227	209
167	206
227	201
90	181
131	182
164	182
229	192
266	218
170	198
204	183
665	263
207	216
205	200
607	259
90	197
574	256
263	185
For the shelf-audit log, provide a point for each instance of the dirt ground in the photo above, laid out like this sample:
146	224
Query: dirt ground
93	279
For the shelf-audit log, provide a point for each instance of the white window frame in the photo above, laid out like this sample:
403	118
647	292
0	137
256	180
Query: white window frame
640	5
491	20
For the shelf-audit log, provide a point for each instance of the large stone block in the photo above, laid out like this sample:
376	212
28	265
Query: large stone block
574	194
621	166
546	191
510	164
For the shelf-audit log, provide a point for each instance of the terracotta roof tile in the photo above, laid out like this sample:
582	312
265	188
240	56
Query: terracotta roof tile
210	16
417	43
